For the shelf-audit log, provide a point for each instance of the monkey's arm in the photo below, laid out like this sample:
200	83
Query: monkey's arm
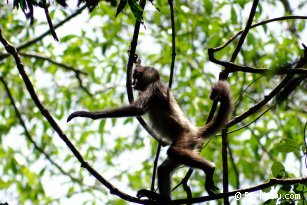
138	108
126	111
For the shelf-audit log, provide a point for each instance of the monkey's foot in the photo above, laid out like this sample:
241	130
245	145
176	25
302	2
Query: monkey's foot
153	196
211	188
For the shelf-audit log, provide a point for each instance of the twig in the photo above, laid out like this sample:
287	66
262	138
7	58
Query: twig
171	4
246	30
256	25
43	35
259	105
51	28
66	67
257	118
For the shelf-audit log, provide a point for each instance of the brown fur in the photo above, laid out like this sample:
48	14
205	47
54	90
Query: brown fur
169	121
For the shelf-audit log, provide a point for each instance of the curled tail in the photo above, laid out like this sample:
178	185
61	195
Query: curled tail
220	91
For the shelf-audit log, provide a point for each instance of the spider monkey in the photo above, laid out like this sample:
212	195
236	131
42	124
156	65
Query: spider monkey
168	120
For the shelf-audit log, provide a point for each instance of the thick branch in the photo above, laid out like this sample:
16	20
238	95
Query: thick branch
232	67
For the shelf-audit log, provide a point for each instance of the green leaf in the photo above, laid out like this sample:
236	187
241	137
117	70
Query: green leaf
278	170
300	188
136	10
267	190
71	190
287	145
233	15
208	6
23	5
122	4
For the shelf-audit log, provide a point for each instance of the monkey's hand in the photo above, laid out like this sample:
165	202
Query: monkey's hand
136	59
153	196
210	187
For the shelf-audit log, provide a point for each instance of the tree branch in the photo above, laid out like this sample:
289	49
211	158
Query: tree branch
171	5
129	77
66	67
113	190
283	18
36	146
232	67
270	183
43	35
245	31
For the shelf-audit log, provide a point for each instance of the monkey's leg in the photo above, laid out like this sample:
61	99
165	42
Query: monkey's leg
192	159
165	171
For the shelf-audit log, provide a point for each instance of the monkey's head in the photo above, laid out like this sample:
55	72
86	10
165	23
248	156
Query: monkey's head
144	76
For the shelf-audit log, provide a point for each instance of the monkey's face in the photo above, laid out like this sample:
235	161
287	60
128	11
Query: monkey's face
144	76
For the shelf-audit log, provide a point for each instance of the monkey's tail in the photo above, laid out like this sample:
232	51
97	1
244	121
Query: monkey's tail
220	91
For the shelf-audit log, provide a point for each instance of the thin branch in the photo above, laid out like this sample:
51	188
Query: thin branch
225	165
246	30
129	76
223	76
232	67
171	5
66	67
154	172
43	35
85	89
113	190
283	18
264	148
51	28
270	183
234	166
253	121
259	105
46	33
170	86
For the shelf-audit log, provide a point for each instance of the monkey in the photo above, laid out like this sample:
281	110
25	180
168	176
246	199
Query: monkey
184	139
